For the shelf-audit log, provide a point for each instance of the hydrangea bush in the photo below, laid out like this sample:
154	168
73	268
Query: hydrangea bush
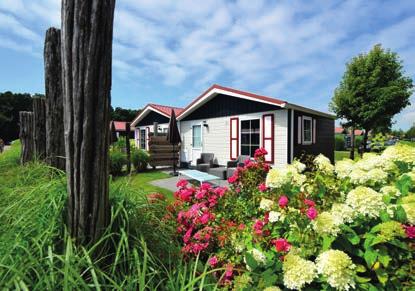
339	227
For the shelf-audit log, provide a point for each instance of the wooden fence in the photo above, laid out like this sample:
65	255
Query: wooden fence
162	153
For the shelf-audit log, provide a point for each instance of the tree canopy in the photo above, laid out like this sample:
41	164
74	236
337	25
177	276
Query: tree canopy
373	89
10	105
121	114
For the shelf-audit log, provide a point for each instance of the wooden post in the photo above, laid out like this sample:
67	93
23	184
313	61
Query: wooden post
155	128
39	127
128	146
26	136
55	140
87	30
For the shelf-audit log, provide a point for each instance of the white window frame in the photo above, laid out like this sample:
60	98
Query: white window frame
245	118
307	142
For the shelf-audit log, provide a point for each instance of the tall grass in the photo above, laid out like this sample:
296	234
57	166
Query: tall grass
36	252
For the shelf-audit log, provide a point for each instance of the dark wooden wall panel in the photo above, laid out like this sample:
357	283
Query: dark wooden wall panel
324	137
225	105
151	118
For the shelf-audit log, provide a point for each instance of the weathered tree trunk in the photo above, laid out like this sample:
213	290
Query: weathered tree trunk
87	28
55	140
365	138
352	143
39	127
128	146
26	136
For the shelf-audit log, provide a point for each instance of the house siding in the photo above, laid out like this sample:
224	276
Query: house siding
324	143
216	137
152	117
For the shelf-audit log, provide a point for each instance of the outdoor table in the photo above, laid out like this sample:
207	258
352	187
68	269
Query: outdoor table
199	176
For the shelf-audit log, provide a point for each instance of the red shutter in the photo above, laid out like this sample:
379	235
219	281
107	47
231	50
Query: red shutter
268	136
147	137
234	138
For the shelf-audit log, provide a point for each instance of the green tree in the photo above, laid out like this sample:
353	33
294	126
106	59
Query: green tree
411	132
10	105
121	114
373	89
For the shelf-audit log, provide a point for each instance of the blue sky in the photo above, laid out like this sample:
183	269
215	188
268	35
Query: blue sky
169	52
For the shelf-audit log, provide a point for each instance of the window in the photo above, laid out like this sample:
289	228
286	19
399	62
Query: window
249	137
197	136
142	139
307	130
165	130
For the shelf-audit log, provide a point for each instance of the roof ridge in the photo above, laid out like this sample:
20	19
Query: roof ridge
155	104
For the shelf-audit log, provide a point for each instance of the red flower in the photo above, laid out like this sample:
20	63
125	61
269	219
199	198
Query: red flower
312	213
262	187
241	226
233	179
282	245
409	231
309	203
182	183
213	261
259	153
283	201
258	226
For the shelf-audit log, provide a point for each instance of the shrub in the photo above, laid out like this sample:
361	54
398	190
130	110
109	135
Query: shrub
339	142
117	161
331	227
140	159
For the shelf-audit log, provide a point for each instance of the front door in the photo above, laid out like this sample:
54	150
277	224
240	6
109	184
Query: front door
196	142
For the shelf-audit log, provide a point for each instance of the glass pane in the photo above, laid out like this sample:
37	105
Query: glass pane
255	124
245	150
197	136
307	130
307	135
245	124
255	139
244	138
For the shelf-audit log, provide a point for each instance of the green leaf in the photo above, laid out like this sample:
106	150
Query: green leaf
360	269
382	276
400	214
250	261
327	241
377	240
269	277
362	279
370	257
384	216
384	260
404	184
352	236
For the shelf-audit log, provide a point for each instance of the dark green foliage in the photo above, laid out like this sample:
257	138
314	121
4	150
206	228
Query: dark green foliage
373	89
339	142
411	132
140	159
121	114
117	161
10	105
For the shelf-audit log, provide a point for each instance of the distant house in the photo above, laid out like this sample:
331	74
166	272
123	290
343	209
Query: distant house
143	123
342	130
120	128
230	122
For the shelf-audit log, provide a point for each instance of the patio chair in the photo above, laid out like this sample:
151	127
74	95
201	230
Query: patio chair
232	165
205	162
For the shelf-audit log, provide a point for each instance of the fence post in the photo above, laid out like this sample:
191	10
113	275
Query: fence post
26	136
87	31
155	128
55	140
39	127
128	146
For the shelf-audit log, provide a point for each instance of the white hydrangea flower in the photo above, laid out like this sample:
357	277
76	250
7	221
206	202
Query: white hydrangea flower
324	164
390	190
274	216
266	204
358	177
326	223
365	201
342	213
408	204
258	256
373	176
343	168
300	167
297	271
399	153
338	269
272	288
369	161
377	176
279	177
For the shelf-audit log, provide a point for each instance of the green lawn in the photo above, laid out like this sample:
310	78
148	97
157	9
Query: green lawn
340	155
141	181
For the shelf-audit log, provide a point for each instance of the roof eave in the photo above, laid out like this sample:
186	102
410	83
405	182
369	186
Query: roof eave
309	110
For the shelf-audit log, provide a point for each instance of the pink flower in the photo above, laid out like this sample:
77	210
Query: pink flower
262	187
213	261
309	203
260	153
187	235
229	271
283	201
221	191
205	186
312	213
258	225
282	245
182	183
409	231
241	226
232	179
200	194
205	218
185	194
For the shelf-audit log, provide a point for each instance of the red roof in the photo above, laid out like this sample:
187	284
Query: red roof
119	125
248	94
343	130
166	109
338	130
